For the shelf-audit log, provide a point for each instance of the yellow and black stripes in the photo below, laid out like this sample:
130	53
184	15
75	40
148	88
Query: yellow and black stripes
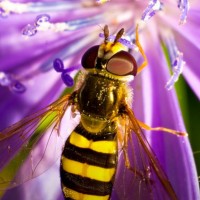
88	156
88	165
103	136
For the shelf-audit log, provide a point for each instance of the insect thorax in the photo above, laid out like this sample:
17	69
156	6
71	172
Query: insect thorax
99	100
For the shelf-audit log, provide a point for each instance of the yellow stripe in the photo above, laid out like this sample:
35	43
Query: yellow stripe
80	196
99	146
89	171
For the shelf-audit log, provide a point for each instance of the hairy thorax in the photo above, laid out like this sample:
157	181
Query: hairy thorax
99	100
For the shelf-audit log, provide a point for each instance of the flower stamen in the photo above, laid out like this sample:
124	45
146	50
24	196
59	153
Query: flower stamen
59	67
7	7
183	5
125	41
152	8
42	23
176	60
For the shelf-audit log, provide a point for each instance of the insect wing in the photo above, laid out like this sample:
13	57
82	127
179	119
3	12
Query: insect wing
32	145
145	178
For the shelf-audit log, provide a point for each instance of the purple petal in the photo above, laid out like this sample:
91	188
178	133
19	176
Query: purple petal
172	151
33	59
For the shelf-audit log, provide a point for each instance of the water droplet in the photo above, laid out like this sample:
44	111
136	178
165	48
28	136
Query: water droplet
67	79
58	65
29	30
41	19
18	87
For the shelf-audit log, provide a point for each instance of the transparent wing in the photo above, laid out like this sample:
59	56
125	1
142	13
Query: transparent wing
32	145
139	174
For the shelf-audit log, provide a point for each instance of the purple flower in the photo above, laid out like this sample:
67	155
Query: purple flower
34	34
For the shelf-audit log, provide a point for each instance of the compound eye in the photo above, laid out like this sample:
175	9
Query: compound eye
89	57
121	64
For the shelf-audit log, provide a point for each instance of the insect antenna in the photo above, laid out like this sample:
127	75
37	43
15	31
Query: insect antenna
106	33
119	35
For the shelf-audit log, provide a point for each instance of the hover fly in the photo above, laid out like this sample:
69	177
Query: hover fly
106	145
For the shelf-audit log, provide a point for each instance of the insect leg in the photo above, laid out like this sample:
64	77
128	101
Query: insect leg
146	127
149	161
145	62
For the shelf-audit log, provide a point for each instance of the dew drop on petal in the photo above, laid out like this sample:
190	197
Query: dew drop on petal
67	79
29	30
41	19
58	65
18	87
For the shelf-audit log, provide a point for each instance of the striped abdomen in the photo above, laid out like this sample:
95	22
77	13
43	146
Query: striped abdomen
88	165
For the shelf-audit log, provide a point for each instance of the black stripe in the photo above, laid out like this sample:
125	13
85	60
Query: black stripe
89	156
95	136
85	185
